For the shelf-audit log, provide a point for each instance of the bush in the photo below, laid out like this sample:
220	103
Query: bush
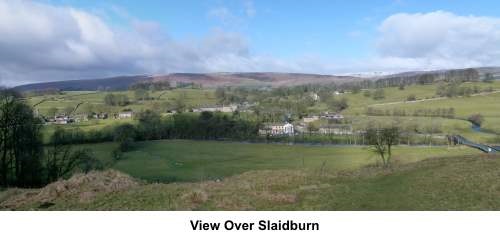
116	100
87	160
117	154
125	134
476	119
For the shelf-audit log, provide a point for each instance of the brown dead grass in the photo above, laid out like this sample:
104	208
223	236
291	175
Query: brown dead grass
80	187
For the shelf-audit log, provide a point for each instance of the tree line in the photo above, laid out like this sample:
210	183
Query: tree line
456	75
436	112
24	160
454	90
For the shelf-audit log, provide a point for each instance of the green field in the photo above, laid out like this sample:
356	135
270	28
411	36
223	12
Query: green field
178	160
486	104
193	97
358	102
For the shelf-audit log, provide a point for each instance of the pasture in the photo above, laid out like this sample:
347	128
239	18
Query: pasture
70	99
181	160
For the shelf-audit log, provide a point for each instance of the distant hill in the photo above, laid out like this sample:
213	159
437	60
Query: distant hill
495	71
206	80
114	83
225	79
254	79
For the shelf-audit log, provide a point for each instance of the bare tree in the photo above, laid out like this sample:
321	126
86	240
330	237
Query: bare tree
382	140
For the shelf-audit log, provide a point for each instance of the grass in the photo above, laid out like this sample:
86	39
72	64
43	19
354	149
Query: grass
451	183
487	105
358	102
180	160
193	97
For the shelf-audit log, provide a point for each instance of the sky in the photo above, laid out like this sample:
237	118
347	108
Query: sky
49	40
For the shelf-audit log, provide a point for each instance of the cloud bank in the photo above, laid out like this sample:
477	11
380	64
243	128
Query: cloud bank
440	39
41	42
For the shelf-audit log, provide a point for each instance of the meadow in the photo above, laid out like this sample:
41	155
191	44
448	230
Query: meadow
486	104
182	160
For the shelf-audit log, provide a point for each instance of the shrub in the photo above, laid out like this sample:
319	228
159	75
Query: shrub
476	119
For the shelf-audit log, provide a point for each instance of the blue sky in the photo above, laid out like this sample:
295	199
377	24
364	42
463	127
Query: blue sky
283	28
321	36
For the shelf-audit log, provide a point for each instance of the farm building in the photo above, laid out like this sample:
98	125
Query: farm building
62	120
335	129
125	114
226	109
310	119
330	116
100	116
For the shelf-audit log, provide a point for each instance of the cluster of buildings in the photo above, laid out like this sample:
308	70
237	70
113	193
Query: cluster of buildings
66	119
277	129
327	116
333	126
288	129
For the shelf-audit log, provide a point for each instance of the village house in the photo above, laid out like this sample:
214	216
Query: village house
335	130
80	117
330	116
286	129
100	116
225	109
63	120
315	96
310	119
125	114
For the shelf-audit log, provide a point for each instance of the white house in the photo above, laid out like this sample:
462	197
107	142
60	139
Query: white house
288	129
62	120
277	129
315	97
125	114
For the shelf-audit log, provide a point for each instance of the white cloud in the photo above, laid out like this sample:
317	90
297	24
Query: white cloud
41	42
439	39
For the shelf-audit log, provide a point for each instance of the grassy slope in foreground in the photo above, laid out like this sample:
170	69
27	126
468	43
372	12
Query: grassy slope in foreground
183	160
451	183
